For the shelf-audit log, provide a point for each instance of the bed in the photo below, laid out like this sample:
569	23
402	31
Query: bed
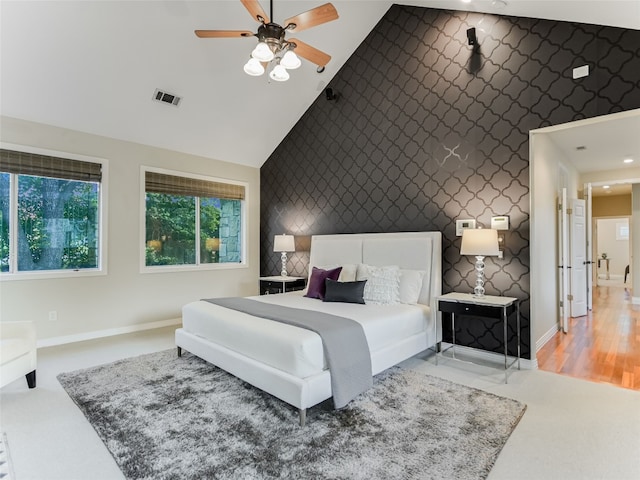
288	362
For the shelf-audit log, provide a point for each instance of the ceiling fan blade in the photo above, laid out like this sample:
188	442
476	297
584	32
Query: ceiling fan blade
310	53
256	10
316	16
223	33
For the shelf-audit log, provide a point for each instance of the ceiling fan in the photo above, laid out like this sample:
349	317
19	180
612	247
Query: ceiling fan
272	44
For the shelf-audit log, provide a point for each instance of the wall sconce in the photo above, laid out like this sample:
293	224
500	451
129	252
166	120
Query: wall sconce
480	242
331	95
501	224
283	244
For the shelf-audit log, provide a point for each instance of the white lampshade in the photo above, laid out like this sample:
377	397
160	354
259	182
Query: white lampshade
279	74
290	60
262	52
254	68
284	243
479	242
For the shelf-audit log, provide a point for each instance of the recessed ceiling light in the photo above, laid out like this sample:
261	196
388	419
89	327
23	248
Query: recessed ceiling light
628	160
606	187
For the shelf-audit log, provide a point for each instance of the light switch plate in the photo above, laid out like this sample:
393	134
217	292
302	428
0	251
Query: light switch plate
464	224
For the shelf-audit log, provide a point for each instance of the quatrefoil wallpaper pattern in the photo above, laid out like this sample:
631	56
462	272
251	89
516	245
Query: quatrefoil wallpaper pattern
427	130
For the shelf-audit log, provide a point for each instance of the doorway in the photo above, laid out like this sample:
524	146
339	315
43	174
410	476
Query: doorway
602	344
591	347
611	251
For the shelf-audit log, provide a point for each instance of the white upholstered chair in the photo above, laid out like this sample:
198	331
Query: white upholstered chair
17	352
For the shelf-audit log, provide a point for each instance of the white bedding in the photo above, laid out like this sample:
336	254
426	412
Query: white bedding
295	350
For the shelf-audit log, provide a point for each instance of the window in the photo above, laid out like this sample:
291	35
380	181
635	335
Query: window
192	221
49	213
622	231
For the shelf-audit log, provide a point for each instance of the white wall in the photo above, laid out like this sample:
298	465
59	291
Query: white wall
124	298
546	160
617	250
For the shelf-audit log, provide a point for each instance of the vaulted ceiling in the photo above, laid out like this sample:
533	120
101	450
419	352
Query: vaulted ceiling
93	66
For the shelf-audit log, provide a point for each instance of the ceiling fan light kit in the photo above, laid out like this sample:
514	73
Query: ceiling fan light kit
279	74
254	68
262	53
273	47
290	60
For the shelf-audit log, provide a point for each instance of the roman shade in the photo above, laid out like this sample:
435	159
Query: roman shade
24	163
176	185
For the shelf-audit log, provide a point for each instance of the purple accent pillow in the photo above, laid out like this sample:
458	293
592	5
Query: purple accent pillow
316	282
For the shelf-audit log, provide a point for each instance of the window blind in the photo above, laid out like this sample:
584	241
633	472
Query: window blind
24	163
176	185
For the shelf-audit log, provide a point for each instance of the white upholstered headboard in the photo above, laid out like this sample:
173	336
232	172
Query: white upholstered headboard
408	250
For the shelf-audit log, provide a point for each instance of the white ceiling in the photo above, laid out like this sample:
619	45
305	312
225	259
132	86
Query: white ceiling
599	146
602	144
93	66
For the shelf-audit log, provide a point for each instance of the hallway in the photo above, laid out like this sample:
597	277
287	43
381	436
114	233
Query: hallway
603	346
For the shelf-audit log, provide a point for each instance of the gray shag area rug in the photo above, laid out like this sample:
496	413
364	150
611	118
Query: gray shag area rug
164	417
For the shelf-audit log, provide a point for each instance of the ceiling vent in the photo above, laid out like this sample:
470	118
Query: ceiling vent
166	97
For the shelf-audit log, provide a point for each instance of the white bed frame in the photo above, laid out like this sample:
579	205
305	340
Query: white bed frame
408	250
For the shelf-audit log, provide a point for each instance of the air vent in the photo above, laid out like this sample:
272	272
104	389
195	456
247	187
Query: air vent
166	97
581	147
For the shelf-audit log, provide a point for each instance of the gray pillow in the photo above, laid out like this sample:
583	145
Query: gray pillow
345	292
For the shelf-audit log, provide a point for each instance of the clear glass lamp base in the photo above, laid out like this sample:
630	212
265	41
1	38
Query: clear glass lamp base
478	290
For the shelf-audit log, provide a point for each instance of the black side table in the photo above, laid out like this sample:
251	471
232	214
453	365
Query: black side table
278	284
488	306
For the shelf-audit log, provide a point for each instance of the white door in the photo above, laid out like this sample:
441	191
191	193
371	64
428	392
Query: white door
563	261
578	255
589	246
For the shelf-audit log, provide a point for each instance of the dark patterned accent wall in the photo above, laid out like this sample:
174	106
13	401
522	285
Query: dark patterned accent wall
427	130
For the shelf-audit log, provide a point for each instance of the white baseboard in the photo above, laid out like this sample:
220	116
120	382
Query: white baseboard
492	357
547	336
81	337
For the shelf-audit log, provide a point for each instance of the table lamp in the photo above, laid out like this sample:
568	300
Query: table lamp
480	242
283	244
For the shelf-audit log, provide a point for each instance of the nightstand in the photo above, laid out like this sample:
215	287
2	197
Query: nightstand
488	306
278	284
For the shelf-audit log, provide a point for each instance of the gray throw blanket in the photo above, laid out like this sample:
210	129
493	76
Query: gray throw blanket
345	345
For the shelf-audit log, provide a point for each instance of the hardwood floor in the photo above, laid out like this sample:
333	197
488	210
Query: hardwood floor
603	346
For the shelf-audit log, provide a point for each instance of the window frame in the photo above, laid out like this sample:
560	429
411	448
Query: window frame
103	215
197	267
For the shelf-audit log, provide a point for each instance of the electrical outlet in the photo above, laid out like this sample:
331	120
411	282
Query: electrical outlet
580	72
53	316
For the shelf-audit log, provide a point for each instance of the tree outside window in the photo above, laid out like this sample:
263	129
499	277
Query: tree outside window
186	225
57	219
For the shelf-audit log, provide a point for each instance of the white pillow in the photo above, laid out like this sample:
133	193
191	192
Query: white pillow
383	284
411	285
348	272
